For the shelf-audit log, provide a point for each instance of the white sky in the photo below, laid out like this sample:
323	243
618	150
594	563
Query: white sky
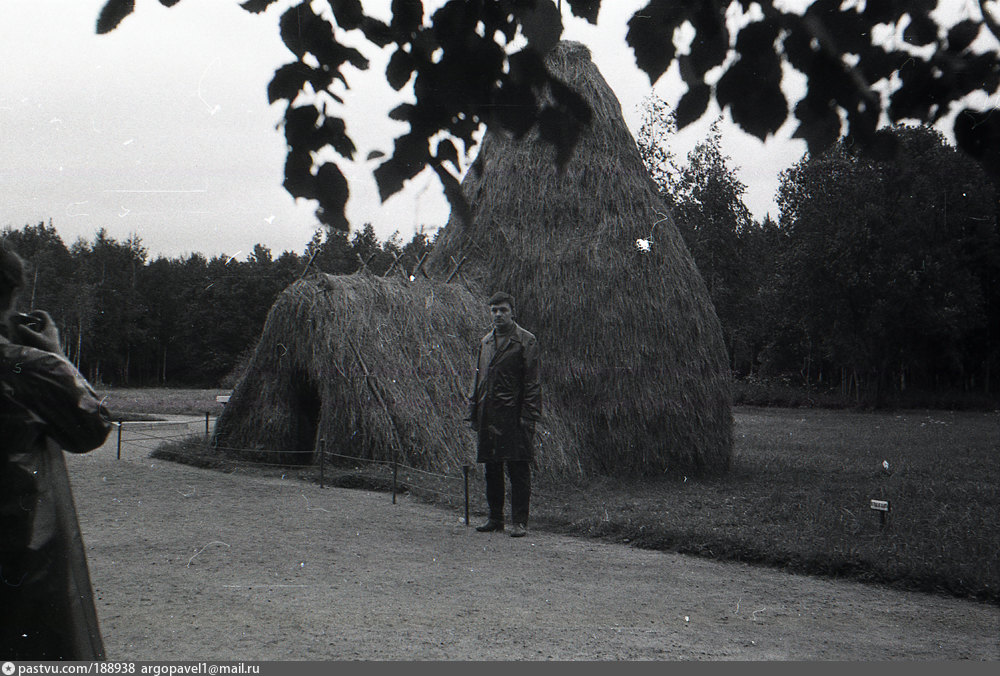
162	128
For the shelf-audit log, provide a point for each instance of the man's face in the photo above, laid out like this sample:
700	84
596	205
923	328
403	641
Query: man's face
503	315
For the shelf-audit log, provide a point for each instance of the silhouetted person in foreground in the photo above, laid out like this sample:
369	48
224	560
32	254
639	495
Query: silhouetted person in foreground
505	404
46	603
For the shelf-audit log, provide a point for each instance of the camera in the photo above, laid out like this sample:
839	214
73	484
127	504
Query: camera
32	322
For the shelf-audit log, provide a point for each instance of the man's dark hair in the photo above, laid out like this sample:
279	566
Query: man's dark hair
502	297
11	270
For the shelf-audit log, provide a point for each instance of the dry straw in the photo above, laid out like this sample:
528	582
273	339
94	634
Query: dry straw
377	367
633	352
634	368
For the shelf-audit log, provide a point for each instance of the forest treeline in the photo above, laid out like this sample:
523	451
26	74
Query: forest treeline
126	320
879	280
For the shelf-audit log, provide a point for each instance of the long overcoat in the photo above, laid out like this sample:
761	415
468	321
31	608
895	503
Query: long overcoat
506	397
45	591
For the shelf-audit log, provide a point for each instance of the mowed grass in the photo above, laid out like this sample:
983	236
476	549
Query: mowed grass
129	403
797	497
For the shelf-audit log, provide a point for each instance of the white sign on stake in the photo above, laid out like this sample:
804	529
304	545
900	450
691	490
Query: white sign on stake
880	505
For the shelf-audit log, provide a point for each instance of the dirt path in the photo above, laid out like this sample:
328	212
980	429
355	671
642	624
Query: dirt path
192	564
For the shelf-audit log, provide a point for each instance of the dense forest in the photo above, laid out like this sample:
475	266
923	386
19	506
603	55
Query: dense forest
126	320
879	279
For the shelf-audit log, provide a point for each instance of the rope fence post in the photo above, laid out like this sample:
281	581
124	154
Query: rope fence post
395	471
322	459
119	439
465	473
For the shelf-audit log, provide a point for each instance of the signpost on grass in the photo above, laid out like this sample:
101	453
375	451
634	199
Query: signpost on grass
882	507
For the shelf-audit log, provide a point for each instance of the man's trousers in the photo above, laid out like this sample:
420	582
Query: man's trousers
520	489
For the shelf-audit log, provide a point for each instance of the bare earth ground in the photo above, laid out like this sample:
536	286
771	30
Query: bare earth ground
192	564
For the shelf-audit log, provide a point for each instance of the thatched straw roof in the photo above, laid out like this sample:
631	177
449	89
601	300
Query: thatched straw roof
375	366
633	353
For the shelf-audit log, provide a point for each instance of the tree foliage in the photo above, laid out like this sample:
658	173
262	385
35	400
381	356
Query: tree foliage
889	264
464	71
127	320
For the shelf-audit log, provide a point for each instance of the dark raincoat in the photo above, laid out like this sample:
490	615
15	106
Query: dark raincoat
506	397
46	603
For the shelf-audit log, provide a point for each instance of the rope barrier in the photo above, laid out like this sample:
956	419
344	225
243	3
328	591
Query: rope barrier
405	472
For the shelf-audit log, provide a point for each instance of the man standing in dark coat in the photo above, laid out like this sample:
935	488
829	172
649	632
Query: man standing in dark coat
505	404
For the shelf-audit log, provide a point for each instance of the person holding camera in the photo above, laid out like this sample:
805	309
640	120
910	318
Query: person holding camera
46	602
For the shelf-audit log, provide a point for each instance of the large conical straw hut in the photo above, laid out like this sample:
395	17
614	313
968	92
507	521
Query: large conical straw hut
367	367
633	352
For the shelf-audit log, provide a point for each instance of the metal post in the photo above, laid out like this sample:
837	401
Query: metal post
465	472
322	456
206	423
395	470
119	439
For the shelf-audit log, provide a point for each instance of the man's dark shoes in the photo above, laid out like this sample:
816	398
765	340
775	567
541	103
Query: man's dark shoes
490	526
518	530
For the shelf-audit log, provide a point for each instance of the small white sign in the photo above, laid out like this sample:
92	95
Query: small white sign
880	505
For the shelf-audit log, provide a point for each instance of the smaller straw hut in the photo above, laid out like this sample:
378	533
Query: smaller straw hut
369	367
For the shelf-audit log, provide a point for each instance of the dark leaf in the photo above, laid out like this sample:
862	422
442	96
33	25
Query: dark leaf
553	129
516	109
112	14
257	6
375	155
349	13
409	156
885	11
334	133
399	69
541	25
586	9
922	30
453	191
527	68
819	123
848	30
962	34
288	81
407	16
711	42
650	35
571	103
404	112
751	87
299	180
332	191
169	3
446	152
693	104
977	133
300	128
914	97
290	27
376	32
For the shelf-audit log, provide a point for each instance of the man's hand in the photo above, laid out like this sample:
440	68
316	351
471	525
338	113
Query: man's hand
36	329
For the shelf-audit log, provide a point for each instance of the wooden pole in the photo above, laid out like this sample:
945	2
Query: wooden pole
465	471
322	456
119	439
455	271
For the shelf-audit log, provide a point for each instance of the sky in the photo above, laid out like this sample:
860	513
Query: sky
162	128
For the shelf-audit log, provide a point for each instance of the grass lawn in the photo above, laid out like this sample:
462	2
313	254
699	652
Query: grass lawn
797	497
128	403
